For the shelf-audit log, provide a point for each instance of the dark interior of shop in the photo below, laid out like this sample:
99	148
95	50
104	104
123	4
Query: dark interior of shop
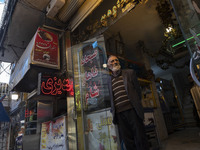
143	25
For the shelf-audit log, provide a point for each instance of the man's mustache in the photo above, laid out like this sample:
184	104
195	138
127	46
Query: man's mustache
116	64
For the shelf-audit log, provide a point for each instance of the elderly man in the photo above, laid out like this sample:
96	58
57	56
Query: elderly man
126	105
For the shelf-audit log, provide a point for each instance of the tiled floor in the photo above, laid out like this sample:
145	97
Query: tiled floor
184	139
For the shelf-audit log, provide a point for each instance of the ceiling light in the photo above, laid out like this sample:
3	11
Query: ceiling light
169	29
22	121
105	65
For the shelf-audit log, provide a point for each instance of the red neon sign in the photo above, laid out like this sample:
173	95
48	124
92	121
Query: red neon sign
28	113
55	86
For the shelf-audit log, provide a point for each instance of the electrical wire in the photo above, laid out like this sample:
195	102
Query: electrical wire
192	69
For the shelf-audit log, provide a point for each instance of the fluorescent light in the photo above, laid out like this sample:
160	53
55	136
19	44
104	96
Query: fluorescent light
14	96
6	71
22	121
184	41
19	134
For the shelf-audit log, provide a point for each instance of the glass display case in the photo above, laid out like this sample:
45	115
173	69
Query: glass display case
170	105
148	99
31	118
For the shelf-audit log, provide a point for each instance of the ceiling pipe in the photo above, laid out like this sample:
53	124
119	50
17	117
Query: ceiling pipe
53	28
6	21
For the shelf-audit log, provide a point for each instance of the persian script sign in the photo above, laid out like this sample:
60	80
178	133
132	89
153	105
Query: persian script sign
53	135
91	63
54	85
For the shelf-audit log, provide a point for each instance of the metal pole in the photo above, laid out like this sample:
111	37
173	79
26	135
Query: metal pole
9	131
81	94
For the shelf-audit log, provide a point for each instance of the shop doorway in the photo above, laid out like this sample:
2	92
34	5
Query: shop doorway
94	120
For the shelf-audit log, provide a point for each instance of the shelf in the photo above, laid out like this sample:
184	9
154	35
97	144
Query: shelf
32	114
143	80
148	99
34	96
28	129
34	121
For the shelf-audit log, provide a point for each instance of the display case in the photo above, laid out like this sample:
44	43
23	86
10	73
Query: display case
38	109
31	118
169	104
150	128
148	98
195	90
31	125
149	104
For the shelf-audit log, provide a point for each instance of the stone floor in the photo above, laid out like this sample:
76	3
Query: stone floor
183	139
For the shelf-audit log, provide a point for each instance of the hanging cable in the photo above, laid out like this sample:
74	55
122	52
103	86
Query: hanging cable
194	57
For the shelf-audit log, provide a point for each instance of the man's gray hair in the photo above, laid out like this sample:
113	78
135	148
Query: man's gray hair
111	56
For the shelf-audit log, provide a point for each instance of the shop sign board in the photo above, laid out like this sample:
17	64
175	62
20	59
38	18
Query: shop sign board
53	135
120	7
46	49
104	16
54	85
101	133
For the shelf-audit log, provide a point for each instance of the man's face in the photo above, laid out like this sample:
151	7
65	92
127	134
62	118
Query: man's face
113	64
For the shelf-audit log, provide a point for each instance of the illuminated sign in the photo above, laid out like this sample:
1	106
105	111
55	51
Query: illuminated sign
46	49
55	86
29	113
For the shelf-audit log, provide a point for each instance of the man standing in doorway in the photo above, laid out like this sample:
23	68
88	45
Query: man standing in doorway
126	105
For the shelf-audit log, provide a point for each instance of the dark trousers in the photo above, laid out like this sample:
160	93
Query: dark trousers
132	130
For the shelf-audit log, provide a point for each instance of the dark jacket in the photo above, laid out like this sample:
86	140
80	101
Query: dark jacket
132	88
